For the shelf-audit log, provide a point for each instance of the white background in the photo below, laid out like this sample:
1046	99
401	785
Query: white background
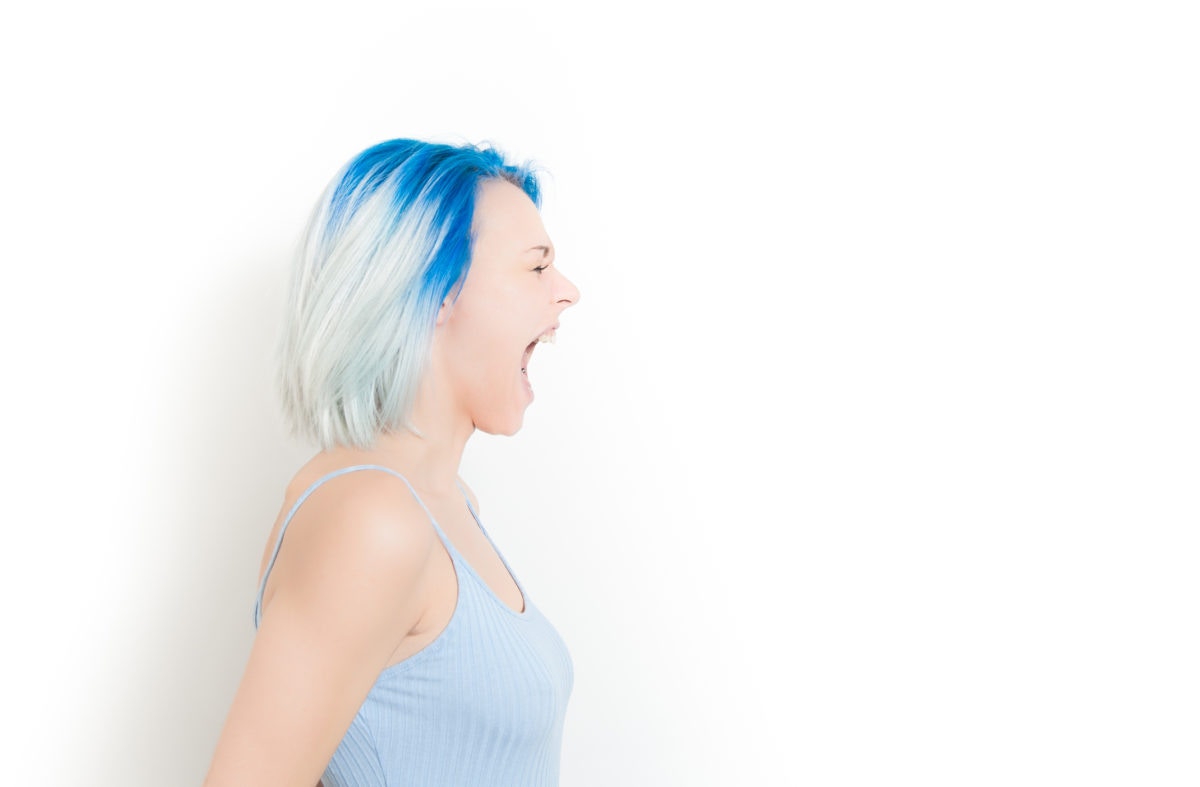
868	457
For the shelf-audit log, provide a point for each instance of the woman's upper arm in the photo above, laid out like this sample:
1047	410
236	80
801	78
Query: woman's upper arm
346	589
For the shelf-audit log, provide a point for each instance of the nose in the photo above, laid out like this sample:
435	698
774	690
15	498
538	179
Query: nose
566	291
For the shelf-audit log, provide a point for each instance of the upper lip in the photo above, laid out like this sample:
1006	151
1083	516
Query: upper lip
545	331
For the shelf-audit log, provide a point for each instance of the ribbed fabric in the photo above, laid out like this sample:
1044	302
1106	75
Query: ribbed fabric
483	704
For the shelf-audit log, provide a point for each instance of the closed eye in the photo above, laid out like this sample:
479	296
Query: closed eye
541	268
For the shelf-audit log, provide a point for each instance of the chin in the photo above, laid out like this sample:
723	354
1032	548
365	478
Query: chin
501	426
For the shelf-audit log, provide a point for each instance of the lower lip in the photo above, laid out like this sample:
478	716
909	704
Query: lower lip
528	387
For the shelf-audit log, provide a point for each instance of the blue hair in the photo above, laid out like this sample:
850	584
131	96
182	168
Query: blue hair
389	240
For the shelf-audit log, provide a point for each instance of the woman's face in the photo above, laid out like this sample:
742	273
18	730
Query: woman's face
513	293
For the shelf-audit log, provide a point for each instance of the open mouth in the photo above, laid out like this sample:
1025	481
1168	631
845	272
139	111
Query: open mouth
547	337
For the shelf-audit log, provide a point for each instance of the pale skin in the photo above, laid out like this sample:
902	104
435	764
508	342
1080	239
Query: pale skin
362	581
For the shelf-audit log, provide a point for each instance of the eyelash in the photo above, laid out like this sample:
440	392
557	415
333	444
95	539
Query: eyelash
542	268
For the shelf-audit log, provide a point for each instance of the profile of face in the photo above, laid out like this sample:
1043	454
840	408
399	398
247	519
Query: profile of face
513	294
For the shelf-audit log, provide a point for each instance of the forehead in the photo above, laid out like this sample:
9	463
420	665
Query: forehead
506	222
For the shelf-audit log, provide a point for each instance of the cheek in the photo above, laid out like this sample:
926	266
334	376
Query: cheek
488	356
488	336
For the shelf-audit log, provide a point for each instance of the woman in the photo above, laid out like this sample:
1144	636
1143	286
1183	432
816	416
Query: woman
393	644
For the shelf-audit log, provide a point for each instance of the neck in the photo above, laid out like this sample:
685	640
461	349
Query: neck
430	462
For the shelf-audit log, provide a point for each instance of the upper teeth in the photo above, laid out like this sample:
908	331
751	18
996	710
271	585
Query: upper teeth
548	337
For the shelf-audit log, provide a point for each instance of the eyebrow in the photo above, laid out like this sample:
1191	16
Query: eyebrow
545	250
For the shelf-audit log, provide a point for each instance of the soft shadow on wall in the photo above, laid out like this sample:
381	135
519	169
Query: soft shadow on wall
223	461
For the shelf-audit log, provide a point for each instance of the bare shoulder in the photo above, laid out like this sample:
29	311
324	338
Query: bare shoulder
357	537
366	505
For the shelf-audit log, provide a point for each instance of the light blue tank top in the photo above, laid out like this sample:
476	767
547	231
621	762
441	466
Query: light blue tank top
483	704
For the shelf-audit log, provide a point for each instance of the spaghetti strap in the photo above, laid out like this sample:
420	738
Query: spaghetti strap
296	506
482	529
